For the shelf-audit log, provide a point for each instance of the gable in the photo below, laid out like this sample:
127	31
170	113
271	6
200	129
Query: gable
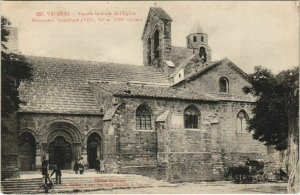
155	14
207	81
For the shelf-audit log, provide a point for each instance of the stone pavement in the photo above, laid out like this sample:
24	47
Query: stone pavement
92	183
218	187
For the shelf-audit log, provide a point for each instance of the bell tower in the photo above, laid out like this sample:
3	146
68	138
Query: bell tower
157	38
198	41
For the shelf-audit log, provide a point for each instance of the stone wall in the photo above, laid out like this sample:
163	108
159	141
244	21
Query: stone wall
9	151
168	150
208	83
172	152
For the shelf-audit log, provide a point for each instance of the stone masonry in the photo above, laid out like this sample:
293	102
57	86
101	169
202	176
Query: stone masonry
91	110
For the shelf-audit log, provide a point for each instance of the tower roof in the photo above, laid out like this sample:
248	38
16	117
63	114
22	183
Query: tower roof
197	28
161	13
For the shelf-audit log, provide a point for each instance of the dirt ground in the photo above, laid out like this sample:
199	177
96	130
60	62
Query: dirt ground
204	188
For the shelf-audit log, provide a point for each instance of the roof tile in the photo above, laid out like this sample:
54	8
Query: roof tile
151	91
61	85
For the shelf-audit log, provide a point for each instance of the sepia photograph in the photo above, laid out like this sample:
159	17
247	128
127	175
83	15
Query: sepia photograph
149	97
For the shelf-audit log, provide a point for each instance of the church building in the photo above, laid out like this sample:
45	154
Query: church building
179	117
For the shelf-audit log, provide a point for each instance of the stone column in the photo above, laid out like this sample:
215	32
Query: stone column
38	157
44	151
76	153
84	156
162	157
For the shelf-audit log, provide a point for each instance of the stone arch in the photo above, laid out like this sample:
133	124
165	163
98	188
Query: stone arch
203	53
224	85
27	151
94	148
28	130
97	131
156	43
66	127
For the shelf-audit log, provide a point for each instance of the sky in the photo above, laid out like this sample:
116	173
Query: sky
249	33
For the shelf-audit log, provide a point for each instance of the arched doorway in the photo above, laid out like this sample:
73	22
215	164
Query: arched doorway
27	148
93	149
202	54
60	153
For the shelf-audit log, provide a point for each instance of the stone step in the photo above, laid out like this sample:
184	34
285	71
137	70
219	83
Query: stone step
86	183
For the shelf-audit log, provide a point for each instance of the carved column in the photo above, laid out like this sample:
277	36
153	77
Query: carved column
38	157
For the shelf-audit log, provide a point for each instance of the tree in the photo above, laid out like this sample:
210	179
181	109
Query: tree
14	69
275	120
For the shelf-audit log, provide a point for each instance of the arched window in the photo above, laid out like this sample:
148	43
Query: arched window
156	44
143	118
149	51
202	38
224	85
242	118
202	53
191	117
194	39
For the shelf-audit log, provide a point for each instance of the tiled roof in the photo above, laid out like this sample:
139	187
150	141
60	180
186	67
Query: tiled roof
193	59
151	91
61	85
161	13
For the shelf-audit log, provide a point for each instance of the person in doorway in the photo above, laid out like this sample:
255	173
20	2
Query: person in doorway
76	167
57	171
81	165
97	165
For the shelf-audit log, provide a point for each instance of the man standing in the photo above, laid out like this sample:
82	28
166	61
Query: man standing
47	181
97	165
81	166
45	169
57	171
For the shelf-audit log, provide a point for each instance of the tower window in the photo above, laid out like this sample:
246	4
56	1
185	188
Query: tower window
191	117
194	39
224	85
242	118
202	38
202	54
149	51
156	44
143	118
